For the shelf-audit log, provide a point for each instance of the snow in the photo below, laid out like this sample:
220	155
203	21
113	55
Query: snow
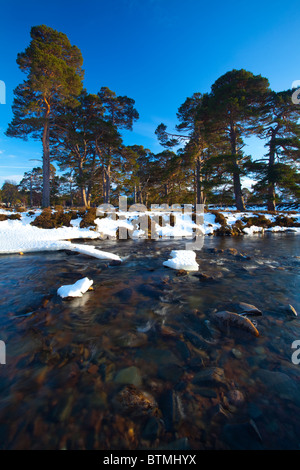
75	290
18	236
182	259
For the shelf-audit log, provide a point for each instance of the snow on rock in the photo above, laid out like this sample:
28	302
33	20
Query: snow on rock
182	259
75	290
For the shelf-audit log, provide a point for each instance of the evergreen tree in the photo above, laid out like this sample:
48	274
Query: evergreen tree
281	130
234	107
79	137
119	111
54	77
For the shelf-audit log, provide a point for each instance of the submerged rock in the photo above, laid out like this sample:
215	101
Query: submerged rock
130	400
279	384
247	309
171	408
210	376
129	375
230	319
291	310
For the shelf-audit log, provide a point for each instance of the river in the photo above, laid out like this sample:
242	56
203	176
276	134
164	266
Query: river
137	362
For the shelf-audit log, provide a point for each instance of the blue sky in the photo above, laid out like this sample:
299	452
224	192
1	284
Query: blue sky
157	52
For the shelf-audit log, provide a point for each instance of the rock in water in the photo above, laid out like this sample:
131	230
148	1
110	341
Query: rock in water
248	309
210	376
135	402
292	310
231	319
172	409
129	375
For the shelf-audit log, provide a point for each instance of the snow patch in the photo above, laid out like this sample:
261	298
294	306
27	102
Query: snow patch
75	290
182	259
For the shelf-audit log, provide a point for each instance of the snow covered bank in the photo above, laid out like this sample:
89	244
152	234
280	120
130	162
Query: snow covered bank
18	236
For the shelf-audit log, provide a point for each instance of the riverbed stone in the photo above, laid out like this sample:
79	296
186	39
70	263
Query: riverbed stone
210	376
279	384
135	402
129	375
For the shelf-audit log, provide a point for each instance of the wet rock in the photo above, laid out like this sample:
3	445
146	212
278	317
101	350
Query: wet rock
129	375
205	392
183	350
279	384
132	340
237	353
231	251
149	291
234	399
124	294
181	272
151	429
196	341
196	363
180	444
211	376
115	262
107	371
247	309
226	319
172	409
137	403
205	277
241	437
291	310
167	331
170	372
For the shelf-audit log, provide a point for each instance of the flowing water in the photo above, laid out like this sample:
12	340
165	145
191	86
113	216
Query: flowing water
138	362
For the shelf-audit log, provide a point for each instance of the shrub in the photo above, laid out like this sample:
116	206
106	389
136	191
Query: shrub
15	217
47	219
259	221
88	219
285	221
44	220
219	218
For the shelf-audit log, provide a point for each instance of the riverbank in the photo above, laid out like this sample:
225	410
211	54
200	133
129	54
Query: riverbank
25	232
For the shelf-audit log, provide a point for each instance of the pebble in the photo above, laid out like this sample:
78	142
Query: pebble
135	402
213	376
129	375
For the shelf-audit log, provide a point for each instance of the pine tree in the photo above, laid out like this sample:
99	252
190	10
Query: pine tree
54	77
234	106
281	130
119	111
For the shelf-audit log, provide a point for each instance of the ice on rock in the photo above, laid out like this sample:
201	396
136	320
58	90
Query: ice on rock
182	259
75	290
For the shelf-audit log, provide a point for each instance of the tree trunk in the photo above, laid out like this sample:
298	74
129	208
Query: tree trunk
200	198
108	184
271	195
46	163
237	187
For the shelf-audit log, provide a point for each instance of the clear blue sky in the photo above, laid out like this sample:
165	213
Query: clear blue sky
157	52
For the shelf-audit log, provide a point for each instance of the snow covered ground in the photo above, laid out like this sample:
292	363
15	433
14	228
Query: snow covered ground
18	236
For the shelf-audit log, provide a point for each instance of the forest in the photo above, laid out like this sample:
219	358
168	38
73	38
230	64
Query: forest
85	161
